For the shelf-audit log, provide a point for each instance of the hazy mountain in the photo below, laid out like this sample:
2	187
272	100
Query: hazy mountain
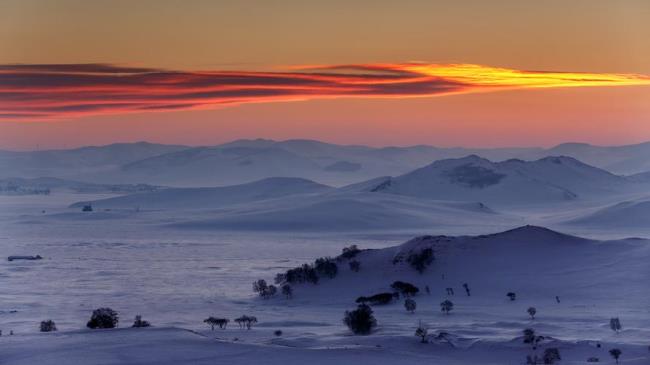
78	161
628	159
250	160
244	161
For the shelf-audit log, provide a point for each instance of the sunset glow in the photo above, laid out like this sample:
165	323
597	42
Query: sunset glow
42	92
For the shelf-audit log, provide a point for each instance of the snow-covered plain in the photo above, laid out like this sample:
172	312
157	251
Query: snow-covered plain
151	262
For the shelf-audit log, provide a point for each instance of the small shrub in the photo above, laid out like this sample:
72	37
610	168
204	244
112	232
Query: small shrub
593	359
512	296
278	333
355	265
616	353
531	312
551	355
406	289
48	326
410	305
446	306
103	318
139	322
361	320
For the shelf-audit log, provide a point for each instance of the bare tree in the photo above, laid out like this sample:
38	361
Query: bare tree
422	332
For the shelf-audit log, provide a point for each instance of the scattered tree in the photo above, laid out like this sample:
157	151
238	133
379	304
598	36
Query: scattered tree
221	322
302	274
246	321
512	296
350	252
551	355
361	320
410	305
422	332
103	318
263	289
139	322
529	335
287	291
355	265
48	326
616	353
531	312
446	306
326	267
531	338
421	260
466	286
615	324
278	333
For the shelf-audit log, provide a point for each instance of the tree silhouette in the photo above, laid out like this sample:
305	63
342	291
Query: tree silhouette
446	306
616	353
531	312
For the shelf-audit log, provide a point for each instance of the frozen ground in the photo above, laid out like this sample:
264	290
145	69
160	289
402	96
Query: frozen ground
137	263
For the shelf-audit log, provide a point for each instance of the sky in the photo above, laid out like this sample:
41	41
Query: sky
446	73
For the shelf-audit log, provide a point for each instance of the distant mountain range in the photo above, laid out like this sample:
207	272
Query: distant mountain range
250	160
468	189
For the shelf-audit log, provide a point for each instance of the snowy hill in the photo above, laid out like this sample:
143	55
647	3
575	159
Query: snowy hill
333	211
511	182
628	214
211	198
528	260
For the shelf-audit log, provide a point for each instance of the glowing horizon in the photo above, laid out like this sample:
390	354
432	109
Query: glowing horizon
38	92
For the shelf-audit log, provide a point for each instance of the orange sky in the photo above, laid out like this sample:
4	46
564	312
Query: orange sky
592	37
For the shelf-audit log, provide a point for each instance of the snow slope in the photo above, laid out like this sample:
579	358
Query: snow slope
628	214
348	212
202	198
596	280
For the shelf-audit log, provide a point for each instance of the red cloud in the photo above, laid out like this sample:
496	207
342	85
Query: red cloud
38	92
